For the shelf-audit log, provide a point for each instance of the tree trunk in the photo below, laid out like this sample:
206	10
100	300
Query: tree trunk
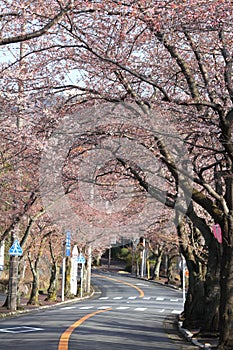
97	260
226	299
52	290
67	278
156	271
195	300
172	262
34	297
193	314
212	289
212	282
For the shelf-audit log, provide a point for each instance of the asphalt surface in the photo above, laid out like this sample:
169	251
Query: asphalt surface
124	313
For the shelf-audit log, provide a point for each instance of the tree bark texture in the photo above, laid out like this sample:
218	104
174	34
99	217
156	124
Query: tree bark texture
195	300
212	288
157	265
34	296
171	270
67	277
226	299
13	284
53	284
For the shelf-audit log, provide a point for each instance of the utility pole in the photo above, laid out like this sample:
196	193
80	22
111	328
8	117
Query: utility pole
13	283
89	262
109	256
14	252
13	271
12	299
143	257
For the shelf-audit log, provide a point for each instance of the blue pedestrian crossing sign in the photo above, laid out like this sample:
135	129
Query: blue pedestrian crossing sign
15	249
81	259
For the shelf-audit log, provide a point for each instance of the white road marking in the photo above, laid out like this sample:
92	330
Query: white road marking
146	298
117	308
160	298
176	312
174	299
104	298
140	308
132	298
22	329
117	298
67	307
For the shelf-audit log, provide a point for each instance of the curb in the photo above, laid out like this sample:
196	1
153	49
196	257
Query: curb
39	308
189	337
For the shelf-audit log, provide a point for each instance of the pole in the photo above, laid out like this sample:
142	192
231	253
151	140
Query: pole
81	286
13	284
13	275
183	280
133	254
14	260
143	259
109	257
89	261
63	278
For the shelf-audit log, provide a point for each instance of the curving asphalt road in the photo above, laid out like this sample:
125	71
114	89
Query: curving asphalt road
124	313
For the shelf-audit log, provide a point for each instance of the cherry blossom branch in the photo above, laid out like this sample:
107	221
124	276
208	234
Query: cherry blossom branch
37	33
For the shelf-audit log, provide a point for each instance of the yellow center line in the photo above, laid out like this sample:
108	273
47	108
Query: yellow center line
64	339
141	293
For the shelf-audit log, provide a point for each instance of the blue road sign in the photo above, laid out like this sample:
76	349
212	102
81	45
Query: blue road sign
81	259
67	251
15	249
68	243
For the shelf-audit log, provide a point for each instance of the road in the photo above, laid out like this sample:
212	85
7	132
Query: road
125	313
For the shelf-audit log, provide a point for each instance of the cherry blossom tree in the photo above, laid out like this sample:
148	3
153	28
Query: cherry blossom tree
171	56
179	57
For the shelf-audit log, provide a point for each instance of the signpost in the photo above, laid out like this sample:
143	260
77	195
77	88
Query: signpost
66	252
68	243
143	253
81	260
15	251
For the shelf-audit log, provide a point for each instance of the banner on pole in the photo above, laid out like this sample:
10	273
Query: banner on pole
217	233
68	243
